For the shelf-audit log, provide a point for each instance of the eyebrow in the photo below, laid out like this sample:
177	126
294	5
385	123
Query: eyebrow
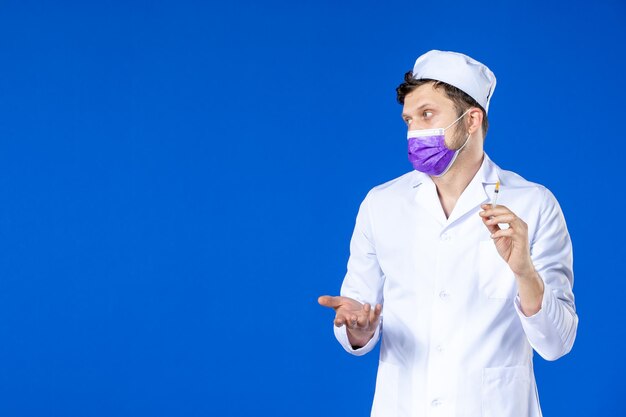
427	104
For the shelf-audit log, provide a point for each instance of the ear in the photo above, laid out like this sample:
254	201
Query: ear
475	120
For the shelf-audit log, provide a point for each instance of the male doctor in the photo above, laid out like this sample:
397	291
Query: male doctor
459	288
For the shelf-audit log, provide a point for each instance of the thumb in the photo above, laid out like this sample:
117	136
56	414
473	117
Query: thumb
329	301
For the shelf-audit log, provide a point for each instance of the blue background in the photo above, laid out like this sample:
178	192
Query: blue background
179	182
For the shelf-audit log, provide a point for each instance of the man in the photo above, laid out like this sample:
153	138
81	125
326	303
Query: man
460	289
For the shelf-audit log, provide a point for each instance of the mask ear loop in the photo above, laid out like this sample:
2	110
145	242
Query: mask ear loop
456	153
466	140
468	136
445	128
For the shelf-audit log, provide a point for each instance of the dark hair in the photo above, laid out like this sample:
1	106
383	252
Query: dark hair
462	101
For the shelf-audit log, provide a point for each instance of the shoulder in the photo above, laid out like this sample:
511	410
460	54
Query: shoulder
515	182
398	187
531	192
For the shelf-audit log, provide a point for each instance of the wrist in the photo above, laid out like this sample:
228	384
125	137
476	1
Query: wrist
527	274
359	338
530	289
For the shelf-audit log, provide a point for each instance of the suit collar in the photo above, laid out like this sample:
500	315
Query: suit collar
478	191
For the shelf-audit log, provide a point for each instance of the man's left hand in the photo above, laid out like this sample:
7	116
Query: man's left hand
512	242
513	246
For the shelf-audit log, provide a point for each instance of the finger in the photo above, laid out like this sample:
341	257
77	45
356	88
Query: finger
493	212
329	301
489	211
348	320
363	316
491	227
376	313
503	233
367	308
490	206
502	218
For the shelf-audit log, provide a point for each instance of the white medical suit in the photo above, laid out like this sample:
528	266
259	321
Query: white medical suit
454	339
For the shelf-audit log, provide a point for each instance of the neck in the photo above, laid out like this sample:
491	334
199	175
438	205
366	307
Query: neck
453	183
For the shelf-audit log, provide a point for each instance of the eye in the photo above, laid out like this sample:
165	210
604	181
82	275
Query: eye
407	121
427	114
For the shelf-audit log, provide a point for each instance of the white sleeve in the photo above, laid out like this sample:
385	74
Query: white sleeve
364	278
552	330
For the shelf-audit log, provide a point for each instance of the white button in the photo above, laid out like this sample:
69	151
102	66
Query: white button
436	402
445	237
444	295
439	348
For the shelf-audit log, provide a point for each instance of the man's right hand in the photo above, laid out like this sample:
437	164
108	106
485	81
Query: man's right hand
360	319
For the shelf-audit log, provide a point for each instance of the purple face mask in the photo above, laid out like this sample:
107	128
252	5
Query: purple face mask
428	151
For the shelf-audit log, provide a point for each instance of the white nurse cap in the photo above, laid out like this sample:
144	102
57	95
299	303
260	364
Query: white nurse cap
458	70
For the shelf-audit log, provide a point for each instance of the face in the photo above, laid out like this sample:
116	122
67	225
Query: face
429	108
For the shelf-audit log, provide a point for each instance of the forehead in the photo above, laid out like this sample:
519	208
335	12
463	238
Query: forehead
426	94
